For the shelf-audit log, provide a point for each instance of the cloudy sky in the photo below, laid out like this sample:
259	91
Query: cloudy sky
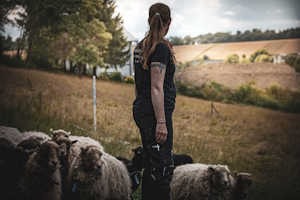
195	17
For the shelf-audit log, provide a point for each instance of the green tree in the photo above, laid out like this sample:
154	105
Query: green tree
258	52
232	58
262	58
118	52
87	35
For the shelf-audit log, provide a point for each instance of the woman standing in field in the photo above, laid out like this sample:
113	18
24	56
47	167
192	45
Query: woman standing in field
155	102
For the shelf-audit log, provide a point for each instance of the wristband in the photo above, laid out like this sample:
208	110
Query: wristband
161	122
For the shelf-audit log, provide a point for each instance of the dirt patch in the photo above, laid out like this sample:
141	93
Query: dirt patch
233	75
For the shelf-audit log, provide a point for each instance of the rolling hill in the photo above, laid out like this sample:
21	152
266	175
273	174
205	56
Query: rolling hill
219	51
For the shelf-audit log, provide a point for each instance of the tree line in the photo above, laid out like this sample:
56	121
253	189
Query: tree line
85	32
221	37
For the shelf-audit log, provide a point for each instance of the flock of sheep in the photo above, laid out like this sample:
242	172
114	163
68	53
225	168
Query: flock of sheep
35	166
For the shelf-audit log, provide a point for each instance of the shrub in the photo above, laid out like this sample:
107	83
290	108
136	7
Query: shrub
116	76
293	61
258	52
205	57
262	58
233	58
245	60
246	92
129	79
103	76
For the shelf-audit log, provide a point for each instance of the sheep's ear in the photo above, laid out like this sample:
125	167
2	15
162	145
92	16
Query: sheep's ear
250	175
211	168
51	131
69	133
73	142
235	173
133	150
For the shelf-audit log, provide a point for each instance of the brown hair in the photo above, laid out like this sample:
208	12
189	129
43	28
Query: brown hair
159	16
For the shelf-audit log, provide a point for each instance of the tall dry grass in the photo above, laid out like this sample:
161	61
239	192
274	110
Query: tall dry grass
248	139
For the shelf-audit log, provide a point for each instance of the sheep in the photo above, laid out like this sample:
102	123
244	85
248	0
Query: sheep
39	137
95	174
42	178
59	133
12	134
179	159
242	187
12	167
82	142
29	144
15	136
196	181
135	174
64	144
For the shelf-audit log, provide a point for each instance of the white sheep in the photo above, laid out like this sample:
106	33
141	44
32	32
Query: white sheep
58	133
199	181
12	134
15	136
98	175
81	143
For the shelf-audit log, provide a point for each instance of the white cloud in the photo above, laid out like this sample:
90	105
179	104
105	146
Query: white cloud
194	17
229	13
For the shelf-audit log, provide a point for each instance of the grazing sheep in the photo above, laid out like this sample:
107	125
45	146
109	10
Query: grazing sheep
179	159
97	175
58	133
12	168
195	181
242	187
42	178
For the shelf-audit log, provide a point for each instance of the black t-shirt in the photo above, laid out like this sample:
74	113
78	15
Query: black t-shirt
143	80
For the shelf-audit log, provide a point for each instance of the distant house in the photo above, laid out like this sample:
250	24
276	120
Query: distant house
127	69
279	58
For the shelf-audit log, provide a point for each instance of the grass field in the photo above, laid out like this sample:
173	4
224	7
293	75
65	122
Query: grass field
247	139
233	75
219	51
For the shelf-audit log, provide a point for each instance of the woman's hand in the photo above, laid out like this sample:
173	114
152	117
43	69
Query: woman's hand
161	133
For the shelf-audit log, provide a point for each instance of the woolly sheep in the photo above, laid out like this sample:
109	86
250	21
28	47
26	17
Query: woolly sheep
59	133
135	174
98	175
242	187
197	181
42	178
12	134
82	142
37	136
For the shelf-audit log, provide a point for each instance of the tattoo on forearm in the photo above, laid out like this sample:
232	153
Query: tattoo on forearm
161	66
